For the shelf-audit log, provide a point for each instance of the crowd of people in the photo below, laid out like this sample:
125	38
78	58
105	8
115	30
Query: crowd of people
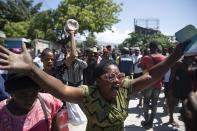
100	82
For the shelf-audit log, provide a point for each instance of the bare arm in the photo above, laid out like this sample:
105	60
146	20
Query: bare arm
156	72
55	86
73	53
73	44
23	63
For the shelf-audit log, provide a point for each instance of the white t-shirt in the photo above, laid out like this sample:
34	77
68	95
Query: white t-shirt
167	76
38	61
135	60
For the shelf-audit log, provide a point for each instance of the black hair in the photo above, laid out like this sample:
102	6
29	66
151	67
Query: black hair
45	52
19	81
88	50
125	50
101	68
154	44
108	47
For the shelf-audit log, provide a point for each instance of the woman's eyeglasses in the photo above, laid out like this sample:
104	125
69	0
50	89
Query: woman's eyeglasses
113	76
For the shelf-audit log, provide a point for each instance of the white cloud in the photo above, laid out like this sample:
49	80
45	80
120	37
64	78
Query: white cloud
112	37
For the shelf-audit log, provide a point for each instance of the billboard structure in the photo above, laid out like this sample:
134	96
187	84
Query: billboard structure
146	26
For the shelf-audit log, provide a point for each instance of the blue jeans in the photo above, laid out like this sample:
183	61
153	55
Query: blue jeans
151	97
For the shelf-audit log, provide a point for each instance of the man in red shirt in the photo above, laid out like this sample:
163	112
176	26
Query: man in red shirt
151	95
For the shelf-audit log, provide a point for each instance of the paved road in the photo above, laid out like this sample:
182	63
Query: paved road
133	121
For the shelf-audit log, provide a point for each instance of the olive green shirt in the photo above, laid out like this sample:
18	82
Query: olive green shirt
105	116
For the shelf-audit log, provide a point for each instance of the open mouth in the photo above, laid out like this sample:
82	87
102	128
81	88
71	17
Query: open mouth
115	87
115	90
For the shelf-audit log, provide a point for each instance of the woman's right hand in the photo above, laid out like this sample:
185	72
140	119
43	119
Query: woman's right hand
15	62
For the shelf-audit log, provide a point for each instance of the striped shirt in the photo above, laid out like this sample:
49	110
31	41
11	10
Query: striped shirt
73	74
102	115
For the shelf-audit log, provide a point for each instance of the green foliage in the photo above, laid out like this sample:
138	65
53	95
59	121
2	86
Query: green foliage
80	45
16	29
42	25
1	42
92	15
142	40
90	40
20	18
17	10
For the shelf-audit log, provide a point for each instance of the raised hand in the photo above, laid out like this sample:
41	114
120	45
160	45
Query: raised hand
178	51
72	32
15	62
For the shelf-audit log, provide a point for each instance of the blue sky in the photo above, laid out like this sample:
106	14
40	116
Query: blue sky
172	14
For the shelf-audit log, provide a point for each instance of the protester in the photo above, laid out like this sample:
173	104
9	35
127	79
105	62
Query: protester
180	84
89	74
96	55
151	95
126	62
23	110
106	55
137	71
70	72
71	67
146	52
139	64
106	103
38	62
36	58
189	112
47	58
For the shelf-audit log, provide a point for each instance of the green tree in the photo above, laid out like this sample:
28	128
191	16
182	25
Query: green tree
16	29
17	11
141	40
90	40
42	26
133	39
92	15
